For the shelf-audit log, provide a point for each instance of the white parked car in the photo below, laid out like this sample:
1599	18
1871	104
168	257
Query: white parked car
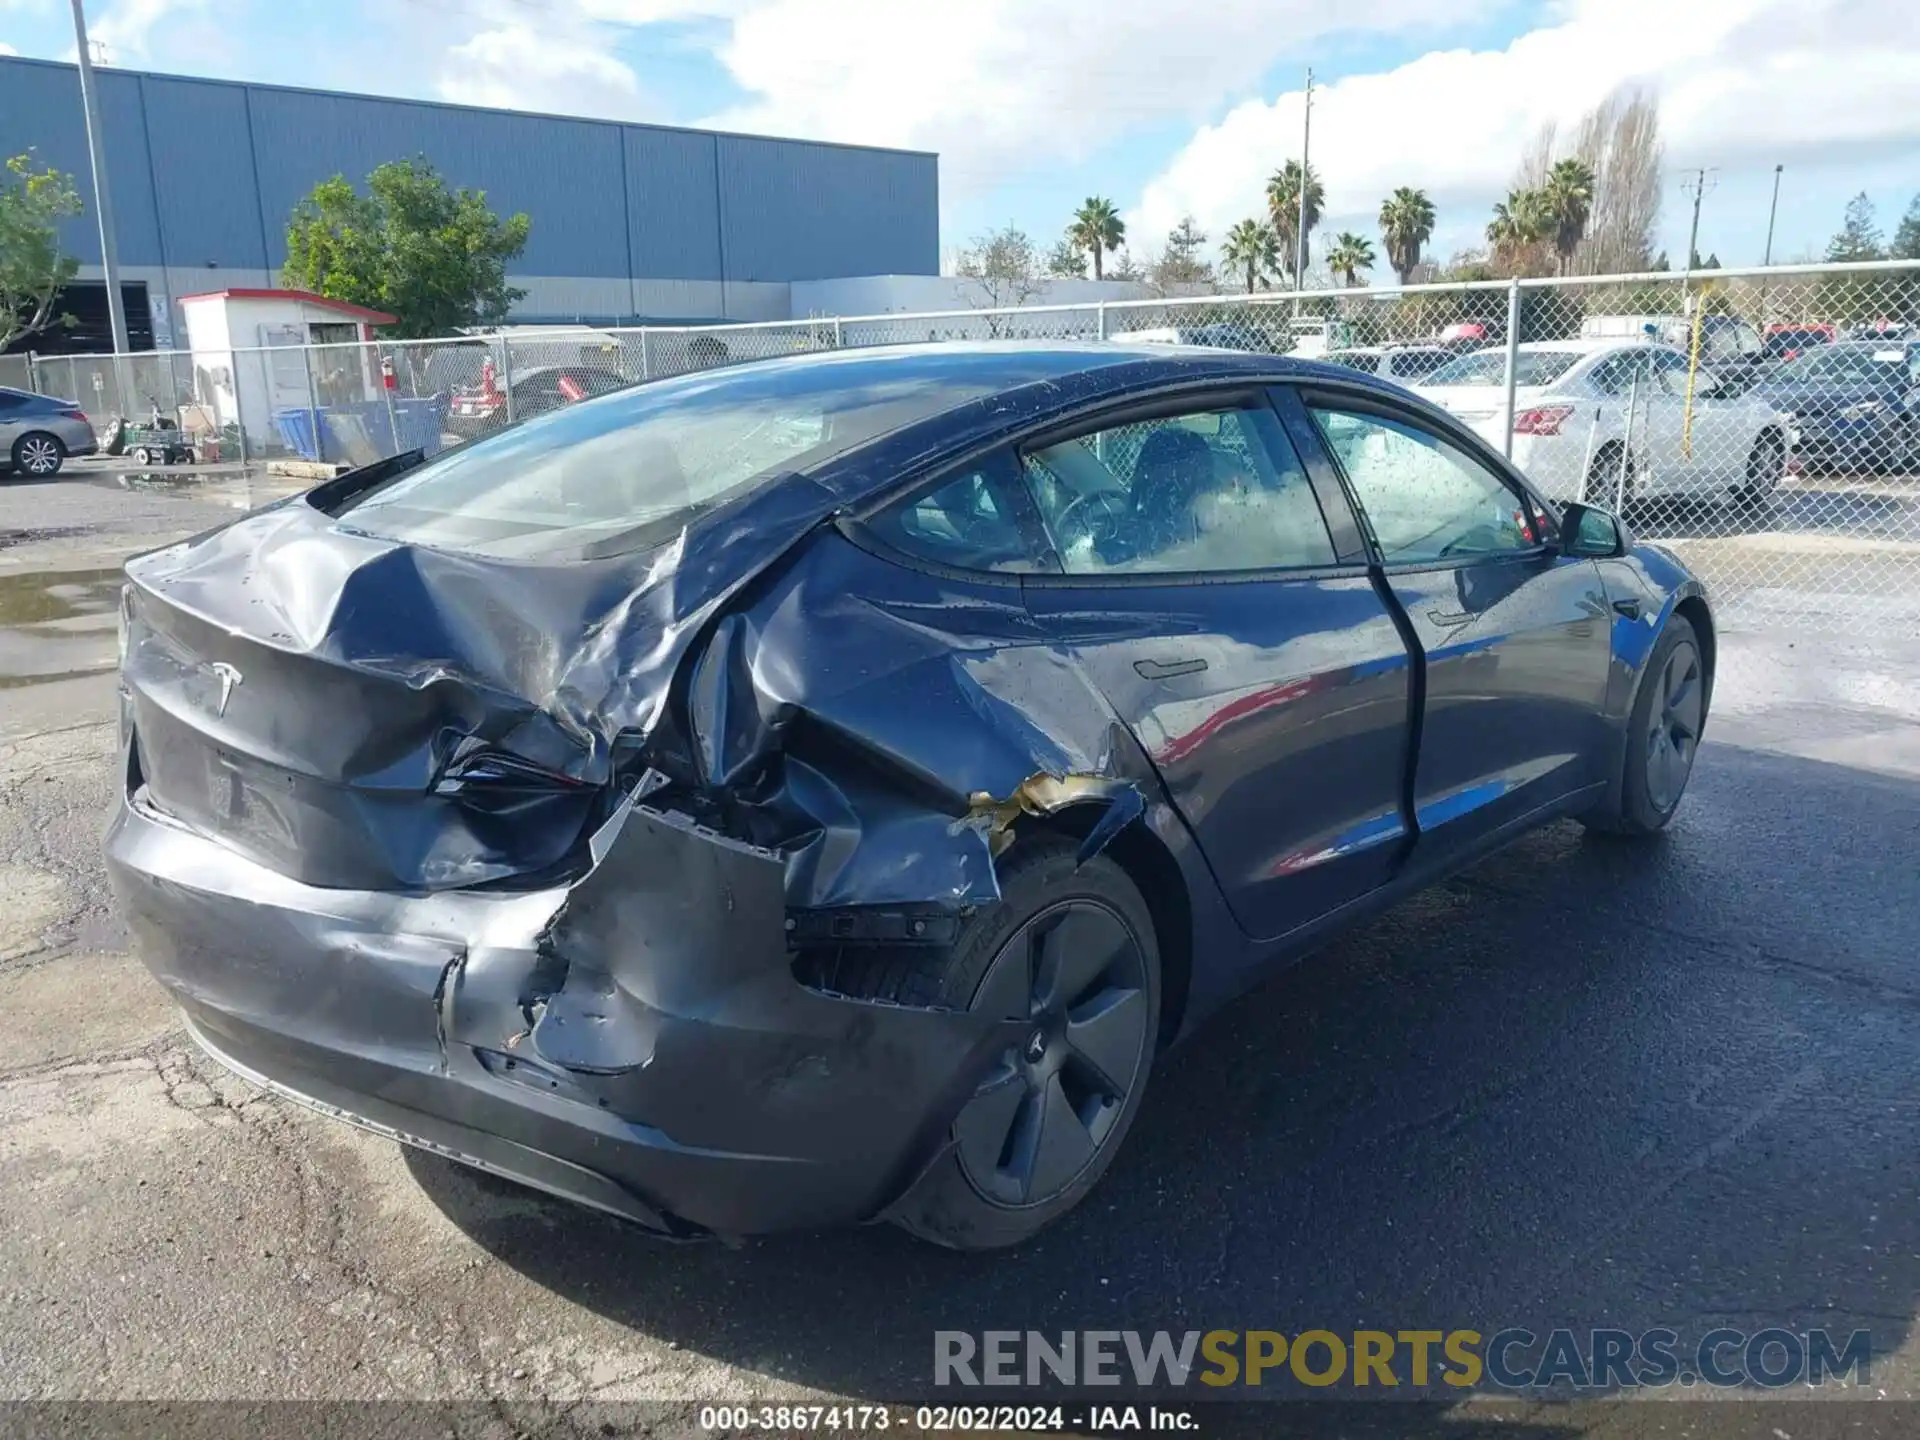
1409	364
1571	431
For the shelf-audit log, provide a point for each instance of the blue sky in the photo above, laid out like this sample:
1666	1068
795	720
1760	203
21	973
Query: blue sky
1163	105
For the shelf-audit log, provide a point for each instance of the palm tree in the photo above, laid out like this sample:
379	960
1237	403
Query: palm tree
1348	255
1097	227
1251	248
1406	224
1567	198
1519	222
1284	211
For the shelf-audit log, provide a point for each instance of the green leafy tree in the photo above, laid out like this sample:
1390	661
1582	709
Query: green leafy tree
1906	239
33	202
1566	201
1181	265
1859	237
1521	224
1348	255
435	258
1285	212
1252	251
1067	260
1406	224
1097	228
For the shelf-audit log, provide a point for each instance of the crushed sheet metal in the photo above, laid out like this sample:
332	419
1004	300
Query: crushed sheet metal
1044	794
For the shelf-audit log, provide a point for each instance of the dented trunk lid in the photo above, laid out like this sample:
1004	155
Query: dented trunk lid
310	695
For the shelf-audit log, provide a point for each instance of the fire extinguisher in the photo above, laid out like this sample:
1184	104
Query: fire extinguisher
386	371
487	387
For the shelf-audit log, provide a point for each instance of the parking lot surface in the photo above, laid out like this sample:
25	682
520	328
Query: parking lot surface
1583	1085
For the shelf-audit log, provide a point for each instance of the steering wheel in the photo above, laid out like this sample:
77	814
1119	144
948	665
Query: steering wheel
1079	520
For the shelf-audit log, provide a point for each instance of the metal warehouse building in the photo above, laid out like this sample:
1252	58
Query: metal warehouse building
631	223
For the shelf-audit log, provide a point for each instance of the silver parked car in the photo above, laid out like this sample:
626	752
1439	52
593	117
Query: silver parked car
38	432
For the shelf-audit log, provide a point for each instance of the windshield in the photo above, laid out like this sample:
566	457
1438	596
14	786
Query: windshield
1835	362
1489	367
626	470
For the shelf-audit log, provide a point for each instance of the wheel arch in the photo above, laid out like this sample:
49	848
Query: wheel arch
1150	865
1694	608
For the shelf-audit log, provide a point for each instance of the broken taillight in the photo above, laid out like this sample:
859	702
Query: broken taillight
1541	420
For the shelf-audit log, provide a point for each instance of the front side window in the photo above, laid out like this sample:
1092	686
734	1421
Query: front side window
1426	499
1215	490
969	521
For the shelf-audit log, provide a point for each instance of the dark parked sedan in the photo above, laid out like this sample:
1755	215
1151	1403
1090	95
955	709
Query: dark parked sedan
819	790
1853	405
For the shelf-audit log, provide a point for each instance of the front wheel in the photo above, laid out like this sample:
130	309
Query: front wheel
1765	464
1069	956
1663	736
38	455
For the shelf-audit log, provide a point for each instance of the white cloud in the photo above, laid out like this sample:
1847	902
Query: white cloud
517	68
127	28
6	49
1004	86
1741	82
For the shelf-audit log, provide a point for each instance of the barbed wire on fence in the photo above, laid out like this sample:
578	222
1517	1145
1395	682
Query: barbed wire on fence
1764	422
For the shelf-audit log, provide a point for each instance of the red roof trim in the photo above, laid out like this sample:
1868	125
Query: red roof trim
372	317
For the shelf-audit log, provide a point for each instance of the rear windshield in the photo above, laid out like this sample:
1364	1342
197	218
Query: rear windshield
627	470
1489	367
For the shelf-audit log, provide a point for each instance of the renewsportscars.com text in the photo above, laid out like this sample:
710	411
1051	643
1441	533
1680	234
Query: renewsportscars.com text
1379	1360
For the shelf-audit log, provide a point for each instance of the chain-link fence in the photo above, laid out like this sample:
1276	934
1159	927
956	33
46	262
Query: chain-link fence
1765	423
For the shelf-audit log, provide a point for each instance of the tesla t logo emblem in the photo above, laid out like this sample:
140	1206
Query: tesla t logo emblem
228	677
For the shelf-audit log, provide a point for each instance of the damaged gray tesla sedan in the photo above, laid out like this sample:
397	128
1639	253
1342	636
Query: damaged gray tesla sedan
815	791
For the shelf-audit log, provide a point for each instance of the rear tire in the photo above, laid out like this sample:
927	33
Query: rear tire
1070	953
1663	736
39	454
1603	474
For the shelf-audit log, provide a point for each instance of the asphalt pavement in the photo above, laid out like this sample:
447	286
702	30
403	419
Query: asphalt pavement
1585	1085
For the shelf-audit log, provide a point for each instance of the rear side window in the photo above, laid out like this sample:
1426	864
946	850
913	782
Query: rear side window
1214	490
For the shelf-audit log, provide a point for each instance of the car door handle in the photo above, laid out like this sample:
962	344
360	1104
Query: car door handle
1442	617
1629	608
1167	669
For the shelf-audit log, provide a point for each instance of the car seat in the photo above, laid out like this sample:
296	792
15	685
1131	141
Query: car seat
1174	470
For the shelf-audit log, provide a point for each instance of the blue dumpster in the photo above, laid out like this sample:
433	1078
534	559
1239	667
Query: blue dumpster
415	425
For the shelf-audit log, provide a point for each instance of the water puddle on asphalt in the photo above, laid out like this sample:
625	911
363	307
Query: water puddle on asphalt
57	625
235	488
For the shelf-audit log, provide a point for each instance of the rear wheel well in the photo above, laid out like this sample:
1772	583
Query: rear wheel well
1156	875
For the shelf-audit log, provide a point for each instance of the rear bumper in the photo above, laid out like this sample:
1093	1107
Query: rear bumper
635	1041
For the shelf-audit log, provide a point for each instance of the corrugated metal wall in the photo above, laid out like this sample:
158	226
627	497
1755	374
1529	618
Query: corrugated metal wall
206	173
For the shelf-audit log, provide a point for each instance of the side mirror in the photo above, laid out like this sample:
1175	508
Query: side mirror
1591	533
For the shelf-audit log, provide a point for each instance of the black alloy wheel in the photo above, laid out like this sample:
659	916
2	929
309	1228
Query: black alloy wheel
1075	975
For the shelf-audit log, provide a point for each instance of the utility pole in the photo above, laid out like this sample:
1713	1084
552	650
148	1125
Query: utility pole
1697	187
102	200
1300	221
1772	210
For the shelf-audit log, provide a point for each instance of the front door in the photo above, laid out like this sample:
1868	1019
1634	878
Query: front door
1231	622
1516	637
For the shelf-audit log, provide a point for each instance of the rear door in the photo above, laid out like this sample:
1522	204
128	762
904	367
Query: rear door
1516	637
1218	596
